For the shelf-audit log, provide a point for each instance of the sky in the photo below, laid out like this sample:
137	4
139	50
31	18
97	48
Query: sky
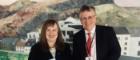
123	3
8	2
127	3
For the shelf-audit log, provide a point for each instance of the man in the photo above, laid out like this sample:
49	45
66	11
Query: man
94	42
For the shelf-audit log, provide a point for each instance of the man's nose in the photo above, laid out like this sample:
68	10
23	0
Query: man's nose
86	20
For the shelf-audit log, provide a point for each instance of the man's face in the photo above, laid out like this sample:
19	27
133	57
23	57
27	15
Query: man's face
88	19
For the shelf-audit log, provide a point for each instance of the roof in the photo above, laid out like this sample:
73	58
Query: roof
75	26
121	30
129	58
134	31
72	20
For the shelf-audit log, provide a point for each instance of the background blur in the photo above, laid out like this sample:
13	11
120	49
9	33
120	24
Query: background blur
21	21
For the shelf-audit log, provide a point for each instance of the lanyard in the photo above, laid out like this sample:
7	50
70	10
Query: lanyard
88	49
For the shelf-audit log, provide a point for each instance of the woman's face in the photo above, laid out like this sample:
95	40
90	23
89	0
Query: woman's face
52	34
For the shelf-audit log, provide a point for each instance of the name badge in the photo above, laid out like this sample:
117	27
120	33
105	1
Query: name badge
89	58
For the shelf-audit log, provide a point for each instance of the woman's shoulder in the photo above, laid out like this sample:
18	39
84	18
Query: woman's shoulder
36	46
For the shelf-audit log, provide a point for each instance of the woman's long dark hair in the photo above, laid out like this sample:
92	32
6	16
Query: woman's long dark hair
59	42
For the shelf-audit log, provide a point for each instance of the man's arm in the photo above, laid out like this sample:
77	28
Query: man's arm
114	50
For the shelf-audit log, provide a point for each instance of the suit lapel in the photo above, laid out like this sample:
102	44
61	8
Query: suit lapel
47	53
83	37
98	38
83	42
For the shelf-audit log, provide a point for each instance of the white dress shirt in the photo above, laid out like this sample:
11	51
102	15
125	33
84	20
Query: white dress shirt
93	45
53	52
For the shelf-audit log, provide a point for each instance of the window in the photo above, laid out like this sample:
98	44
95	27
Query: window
139	43
124	53
138	53
125	48
34	36
125	43
126	38
29	36
70	33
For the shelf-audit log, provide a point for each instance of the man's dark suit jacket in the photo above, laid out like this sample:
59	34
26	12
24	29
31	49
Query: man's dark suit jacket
107	45
37	53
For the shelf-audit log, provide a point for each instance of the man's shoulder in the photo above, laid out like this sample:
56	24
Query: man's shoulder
101	27
81	31
67	46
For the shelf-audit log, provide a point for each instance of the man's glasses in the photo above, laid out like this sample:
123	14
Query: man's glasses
88	18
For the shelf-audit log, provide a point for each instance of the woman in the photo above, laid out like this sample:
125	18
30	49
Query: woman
51	45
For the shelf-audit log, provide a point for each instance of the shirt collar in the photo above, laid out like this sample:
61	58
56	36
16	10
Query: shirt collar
92	31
